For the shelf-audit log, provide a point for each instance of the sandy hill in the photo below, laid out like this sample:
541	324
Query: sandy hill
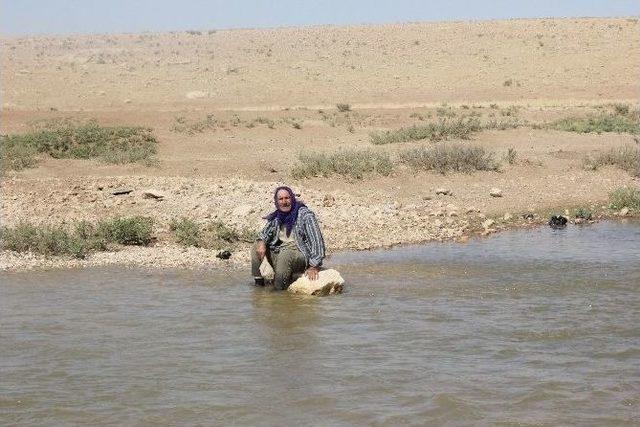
526	61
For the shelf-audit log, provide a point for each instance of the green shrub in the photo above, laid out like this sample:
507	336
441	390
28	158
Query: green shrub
626	157
583	213
352	164
51	240
127	231
62	139
598	124
449	157
444	129
625	197
187	232
14	155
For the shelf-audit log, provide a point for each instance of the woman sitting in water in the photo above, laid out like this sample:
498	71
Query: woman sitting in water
291	240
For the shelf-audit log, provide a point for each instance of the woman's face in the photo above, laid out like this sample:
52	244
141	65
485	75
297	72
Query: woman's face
284	200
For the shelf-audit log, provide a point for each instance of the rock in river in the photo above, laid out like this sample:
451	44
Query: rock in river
328	282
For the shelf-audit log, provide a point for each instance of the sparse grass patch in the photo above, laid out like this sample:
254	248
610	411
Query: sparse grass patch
186	231
626	157
583	213
343	108
444	129
296	124
118	144
625	197
182	125
127	231
76	240
598	124
263	121
445	157
511	156
215	234
502	124
349	163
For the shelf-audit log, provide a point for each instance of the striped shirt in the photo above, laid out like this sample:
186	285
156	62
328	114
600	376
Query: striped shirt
307	233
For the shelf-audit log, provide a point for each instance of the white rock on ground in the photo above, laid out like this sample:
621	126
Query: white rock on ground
328	282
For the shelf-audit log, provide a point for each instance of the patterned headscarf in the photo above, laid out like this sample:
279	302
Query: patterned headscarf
286	218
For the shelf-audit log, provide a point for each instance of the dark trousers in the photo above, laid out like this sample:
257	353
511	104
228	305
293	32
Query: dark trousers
288	264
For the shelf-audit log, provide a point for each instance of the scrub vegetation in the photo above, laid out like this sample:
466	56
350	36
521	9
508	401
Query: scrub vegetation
64	138
626	157
448	157
442	130
625	198
622	119
355	164
210	235
442	157
78	239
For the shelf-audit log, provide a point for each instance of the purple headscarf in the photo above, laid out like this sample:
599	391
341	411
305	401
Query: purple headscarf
286	218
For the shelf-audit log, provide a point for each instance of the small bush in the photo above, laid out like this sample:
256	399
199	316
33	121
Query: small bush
625	197
511	156
352	164
583	213
598	124
186	231
127	231
343	107
626	157
182	125
15	155
444	158
621	109
263	121
444	129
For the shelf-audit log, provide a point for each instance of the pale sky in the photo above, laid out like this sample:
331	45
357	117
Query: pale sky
19	17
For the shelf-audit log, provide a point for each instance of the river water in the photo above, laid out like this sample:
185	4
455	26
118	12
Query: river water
526	327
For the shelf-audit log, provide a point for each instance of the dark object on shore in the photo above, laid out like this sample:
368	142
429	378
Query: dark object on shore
223	255
558	221
259	281
121	191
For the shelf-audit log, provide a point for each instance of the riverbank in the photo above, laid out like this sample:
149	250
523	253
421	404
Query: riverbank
348	223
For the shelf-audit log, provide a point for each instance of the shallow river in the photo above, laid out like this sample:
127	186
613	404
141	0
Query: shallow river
527	327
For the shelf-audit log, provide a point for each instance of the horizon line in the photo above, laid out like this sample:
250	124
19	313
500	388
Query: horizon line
308	26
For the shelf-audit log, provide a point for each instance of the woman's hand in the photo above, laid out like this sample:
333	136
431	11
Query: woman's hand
261	249
311	273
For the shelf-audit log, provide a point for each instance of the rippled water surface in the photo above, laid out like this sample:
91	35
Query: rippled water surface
529	327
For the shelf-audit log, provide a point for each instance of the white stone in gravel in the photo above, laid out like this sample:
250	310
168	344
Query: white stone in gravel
196	94
624	211
443	191
507	217
495	192
488	223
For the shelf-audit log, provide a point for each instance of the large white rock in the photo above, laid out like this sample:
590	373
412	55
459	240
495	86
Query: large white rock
328	282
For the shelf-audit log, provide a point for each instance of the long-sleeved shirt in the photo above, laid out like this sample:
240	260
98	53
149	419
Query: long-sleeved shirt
307	233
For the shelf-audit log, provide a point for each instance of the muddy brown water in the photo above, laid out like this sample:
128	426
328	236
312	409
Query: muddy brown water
527	327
